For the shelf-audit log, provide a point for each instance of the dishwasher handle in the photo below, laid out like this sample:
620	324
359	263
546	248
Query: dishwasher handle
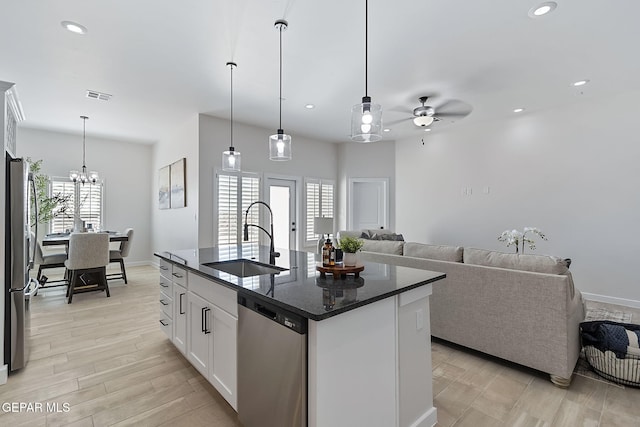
266	312
293	321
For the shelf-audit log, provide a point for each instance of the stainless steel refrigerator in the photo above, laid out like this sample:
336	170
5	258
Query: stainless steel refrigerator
19	253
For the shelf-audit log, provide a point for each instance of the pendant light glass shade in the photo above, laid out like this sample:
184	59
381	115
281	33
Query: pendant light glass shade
83	177
280	143
366	121
280	146
366	117
231	159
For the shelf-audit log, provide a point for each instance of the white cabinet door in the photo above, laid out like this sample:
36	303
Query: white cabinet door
199	333
224	360
180	318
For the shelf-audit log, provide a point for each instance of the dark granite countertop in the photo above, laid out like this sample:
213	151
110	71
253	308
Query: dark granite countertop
300	289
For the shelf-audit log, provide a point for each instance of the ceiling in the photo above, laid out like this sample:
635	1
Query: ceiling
165	60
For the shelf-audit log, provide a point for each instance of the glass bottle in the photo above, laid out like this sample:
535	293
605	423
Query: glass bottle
326	252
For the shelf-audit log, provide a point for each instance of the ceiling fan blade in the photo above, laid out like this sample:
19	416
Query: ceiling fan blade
401	109
395	122
454	108
453	115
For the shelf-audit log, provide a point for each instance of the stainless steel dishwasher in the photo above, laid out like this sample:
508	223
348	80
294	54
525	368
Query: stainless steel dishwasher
272	365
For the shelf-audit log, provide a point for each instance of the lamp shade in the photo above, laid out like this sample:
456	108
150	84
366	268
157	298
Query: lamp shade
322	225
423	121
280	146
366	121
231	161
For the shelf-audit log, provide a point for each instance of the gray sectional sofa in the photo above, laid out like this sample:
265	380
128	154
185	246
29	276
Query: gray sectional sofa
522	308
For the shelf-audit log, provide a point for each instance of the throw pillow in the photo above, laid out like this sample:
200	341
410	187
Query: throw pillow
392	236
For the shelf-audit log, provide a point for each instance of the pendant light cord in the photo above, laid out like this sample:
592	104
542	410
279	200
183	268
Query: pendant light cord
280	127
84	133
366	45
232	146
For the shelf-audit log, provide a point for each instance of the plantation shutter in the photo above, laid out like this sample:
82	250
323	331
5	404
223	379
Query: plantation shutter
319	202
89	204
235	192
62	222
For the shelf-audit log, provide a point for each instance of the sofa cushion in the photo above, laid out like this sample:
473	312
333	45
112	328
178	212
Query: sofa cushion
391	236
437	252
367	233
535	263
383	246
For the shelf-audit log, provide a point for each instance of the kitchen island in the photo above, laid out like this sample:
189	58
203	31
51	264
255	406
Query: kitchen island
368	338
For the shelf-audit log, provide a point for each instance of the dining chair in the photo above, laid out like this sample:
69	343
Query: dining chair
55	260
120	254
87	263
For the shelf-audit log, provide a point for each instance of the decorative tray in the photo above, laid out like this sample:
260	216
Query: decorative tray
339	271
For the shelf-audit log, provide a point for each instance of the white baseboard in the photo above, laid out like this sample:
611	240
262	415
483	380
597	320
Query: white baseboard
428	419
4	374
137	263
611	300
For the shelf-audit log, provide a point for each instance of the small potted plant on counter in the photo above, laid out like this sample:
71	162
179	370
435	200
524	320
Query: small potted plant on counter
350	245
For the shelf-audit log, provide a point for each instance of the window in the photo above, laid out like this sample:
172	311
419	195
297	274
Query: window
86	199
235	192
318	202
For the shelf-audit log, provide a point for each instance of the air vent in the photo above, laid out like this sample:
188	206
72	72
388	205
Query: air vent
93	94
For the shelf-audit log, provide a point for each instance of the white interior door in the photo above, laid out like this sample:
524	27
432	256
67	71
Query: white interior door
368	203
282	199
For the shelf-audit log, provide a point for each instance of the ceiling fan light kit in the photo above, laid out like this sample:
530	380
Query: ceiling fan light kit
366	117
231	159
280	143
423	121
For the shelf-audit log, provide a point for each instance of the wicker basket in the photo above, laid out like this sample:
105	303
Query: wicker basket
604	361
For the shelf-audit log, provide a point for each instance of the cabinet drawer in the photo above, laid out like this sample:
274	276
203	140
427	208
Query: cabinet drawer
166	285
215	293
179	275
165	268
166	304
166	324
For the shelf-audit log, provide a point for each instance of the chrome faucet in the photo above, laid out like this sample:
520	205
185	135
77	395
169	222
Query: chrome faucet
272	252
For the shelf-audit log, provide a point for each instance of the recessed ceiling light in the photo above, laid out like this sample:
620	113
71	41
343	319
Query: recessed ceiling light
309	106
74	27
427	130
518	110
580	82
386	130
542	9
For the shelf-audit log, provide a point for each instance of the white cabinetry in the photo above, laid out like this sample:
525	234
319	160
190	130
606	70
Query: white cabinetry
223	372
202	319
198	331
180	318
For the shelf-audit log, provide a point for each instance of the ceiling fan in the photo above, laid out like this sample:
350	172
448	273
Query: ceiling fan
425	115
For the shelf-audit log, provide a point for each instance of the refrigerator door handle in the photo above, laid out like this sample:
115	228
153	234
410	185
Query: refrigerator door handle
35	214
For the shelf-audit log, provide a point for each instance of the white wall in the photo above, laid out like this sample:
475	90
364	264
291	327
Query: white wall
176	228
125	168
571	171
311	158
356	160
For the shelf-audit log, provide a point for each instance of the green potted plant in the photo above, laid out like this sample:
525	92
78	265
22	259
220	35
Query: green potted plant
350	245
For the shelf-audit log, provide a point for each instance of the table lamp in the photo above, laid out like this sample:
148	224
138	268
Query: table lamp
322	226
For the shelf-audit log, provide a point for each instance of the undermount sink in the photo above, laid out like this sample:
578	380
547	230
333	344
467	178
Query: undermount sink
244	267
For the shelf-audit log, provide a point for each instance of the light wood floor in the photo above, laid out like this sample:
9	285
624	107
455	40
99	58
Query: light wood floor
109	361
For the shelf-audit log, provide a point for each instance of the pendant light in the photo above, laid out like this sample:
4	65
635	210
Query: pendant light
366	117
84	177
280	143
231	159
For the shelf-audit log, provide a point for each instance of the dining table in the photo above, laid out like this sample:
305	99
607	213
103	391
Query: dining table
59	239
